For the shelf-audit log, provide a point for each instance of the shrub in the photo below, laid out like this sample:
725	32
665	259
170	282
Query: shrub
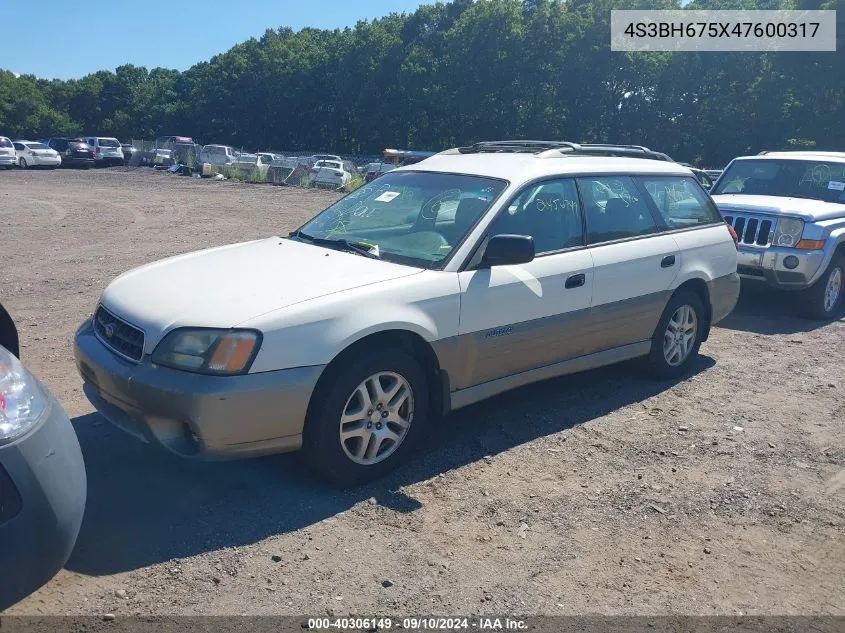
354	183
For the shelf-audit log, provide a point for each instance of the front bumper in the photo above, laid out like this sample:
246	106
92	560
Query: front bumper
42	500
767	265
194	415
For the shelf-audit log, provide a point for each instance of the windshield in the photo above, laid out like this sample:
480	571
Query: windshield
108	142
414	218
817	180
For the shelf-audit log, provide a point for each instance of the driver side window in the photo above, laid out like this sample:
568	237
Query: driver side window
549	212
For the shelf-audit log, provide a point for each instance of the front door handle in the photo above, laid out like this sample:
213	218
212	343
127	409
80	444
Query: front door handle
575	281
668	261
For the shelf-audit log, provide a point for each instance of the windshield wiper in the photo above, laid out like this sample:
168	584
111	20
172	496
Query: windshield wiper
352	247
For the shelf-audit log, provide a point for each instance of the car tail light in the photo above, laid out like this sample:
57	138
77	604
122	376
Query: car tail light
733	235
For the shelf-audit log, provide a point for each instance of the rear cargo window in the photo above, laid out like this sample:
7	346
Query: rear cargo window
5	143
681	201
108	142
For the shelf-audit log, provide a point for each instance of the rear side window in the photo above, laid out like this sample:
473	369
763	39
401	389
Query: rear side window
614	209
5	143
680	201
19	146
108	142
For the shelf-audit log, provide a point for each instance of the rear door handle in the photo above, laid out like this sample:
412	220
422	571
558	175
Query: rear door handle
576	281
668	261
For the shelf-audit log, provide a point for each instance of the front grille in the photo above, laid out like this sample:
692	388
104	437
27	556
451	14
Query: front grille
752	230
119	336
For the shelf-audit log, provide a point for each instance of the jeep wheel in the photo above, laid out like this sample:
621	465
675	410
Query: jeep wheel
824	298
677	338
368	420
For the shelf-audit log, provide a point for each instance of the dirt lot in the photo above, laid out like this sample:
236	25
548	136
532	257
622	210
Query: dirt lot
605	492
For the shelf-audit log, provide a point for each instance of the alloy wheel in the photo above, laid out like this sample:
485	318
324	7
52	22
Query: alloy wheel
679	337
376	418
833	289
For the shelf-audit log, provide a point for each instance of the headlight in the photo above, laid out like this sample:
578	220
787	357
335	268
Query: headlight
788	232
208	351
22	402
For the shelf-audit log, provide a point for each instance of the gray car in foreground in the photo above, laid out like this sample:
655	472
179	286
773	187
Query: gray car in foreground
42	483
788	211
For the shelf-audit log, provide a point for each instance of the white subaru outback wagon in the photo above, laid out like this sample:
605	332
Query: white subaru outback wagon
435	286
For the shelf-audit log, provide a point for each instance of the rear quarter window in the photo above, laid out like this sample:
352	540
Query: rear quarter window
680	200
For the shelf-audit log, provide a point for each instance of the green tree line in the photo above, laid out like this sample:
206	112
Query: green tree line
454	73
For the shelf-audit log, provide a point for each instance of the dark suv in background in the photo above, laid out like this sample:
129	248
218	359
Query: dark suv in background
74	151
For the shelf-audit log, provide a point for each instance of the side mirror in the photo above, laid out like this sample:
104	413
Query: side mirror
502	250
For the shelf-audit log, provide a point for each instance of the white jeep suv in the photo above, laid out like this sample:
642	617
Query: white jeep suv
435	286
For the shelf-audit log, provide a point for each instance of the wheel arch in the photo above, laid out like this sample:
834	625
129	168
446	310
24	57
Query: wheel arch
406	339
698	285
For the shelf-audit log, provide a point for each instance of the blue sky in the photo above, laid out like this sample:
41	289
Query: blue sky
68	39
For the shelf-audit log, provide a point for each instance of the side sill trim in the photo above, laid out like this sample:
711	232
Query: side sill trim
471	395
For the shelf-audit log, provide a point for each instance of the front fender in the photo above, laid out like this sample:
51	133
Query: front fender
833	242
315	332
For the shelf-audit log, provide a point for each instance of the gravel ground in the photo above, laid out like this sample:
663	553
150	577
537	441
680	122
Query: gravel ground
605	492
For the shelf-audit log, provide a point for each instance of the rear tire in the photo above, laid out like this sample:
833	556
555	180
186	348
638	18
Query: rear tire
22	163
822	301
677	338
352	435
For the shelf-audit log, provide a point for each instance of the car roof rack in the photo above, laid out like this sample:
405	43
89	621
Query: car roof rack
556	149
515	146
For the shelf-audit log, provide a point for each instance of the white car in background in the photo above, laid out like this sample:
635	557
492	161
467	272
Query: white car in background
34	154
8	157
329	173
217	155
107	150
435	286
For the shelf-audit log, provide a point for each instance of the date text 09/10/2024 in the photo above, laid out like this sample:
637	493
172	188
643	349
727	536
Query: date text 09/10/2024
418	624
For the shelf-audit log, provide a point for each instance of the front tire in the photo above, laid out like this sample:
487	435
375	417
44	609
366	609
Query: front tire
823	299
368	419
677	338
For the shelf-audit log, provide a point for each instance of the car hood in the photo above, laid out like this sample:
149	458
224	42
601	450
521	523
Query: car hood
228	285
804	208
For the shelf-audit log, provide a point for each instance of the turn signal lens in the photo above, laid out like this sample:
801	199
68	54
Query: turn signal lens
232	352
810	245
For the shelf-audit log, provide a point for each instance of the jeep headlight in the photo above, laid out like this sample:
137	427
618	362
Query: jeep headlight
22	401
208	351
788	232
